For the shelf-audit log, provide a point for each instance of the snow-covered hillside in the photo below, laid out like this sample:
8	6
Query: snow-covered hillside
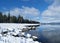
12	33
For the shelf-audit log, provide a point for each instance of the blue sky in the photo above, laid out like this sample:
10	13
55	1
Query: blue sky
9	4
40	10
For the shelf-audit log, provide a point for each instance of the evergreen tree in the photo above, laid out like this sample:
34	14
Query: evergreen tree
8	19
1	17
20	19
4	19
13	19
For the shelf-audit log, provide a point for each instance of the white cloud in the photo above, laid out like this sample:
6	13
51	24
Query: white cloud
52	14
26	12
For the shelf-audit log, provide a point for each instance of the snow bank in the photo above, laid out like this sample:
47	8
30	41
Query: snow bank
8	33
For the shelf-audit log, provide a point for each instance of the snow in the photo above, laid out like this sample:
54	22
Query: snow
23	33
34	37
28	35
36	42
14	29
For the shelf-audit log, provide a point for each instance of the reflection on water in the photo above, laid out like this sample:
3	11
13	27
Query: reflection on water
48	33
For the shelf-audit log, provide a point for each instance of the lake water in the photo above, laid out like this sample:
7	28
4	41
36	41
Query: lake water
47	33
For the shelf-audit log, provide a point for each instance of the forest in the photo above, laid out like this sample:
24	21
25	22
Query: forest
13	19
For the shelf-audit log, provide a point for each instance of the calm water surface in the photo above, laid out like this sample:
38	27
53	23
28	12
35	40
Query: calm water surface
47	33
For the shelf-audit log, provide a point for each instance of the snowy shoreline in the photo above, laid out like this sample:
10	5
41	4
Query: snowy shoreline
9	31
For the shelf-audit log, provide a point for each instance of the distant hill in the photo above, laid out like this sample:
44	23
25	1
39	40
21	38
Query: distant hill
52	23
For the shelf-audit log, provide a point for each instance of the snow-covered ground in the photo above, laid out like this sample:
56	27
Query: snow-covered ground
12	33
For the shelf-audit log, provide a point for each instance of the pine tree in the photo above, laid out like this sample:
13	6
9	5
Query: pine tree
13	19
1	17
20	19
8	19
4	19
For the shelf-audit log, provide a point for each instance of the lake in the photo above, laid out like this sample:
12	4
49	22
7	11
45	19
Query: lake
47	33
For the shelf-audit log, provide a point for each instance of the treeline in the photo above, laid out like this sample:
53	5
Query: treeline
13	19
